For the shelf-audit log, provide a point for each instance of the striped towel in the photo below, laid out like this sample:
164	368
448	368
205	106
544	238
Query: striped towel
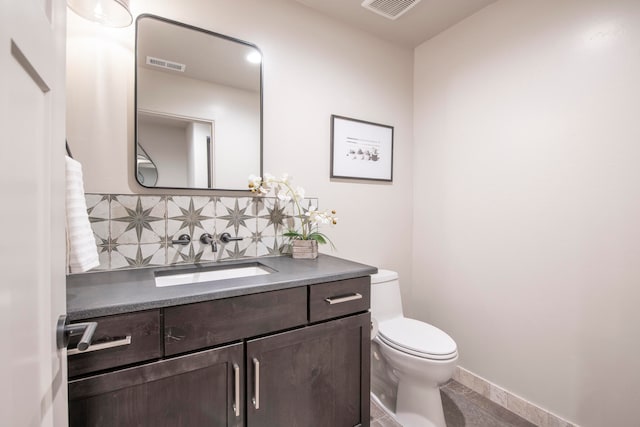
82	252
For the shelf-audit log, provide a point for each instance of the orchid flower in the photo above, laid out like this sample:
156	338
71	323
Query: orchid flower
283	190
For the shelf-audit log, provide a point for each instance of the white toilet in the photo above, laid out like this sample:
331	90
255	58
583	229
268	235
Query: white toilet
421	356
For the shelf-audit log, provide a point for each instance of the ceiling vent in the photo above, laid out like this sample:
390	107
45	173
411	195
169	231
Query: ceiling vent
167	65
391	9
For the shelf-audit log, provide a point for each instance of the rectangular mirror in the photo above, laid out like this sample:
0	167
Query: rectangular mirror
198	107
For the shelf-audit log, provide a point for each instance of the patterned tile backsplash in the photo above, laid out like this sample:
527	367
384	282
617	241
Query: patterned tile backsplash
138	230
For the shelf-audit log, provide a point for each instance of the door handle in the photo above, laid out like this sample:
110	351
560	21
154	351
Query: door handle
236	400
65	330
256	383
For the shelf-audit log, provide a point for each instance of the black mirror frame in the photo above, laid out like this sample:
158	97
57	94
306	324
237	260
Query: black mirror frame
135	97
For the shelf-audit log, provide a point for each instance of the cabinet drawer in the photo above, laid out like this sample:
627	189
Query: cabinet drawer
335	299
118	340
205	324
200	389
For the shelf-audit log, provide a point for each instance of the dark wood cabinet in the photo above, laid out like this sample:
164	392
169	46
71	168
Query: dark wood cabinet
311	377
296	357
200	389
206	324
119	340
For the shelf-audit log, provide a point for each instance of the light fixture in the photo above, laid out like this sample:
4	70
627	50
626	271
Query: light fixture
113	13
254	57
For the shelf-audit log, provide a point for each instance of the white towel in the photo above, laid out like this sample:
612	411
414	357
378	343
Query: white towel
82	252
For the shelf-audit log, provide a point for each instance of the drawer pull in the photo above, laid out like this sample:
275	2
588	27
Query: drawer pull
256	383
338	300
236	401
102	346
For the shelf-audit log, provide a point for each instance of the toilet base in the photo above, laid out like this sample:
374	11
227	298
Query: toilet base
418	402
407	416
413	420
419	406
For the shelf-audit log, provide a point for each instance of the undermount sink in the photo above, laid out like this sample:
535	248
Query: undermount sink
168	278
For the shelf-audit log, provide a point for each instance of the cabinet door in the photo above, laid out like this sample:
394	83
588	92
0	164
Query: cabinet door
198	389
317	376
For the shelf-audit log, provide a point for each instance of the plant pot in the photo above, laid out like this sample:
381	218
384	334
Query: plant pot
304	249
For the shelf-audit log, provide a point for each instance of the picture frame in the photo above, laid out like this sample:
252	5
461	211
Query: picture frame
361	149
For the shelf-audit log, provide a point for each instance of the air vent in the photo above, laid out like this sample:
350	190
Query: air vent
391	9
167	65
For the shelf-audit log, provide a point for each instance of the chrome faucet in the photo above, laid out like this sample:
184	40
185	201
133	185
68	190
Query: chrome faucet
208	239
226	238
183	239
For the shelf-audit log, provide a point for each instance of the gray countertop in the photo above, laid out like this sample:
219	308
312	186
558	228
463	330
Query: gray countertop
121	291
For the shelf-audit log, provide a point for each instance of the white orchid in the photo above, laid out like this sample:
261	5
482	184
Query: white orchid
254	182
283	197
284	191
326	217
268	178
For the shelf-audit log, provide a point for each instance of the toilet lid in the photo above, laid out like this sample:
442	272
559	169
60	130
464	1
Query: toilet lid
383	276
418	338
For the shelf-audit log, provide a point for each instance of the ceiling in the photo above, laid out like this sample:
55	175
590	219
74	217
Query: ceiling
210	57
420	23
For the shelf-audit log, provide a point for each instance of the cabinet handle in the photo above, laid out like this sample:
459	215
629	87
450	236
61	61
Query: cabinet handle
338	300
236	401
256	383
102	346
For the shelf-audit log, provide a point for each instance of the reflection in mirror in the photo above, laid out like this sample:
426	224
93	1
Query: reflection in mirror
146	170
180	147
198	106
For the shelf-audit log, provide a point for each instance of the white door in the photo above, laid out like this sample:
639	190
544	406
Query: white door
33	383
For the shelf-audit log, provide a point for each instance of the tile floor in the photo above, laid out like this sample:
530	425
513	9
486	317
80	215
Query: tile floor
463	407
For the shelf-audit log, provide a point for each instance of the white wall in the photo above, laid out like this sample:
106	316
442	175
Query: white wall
167	146
100	84
198	135
234	113
527	201
313	67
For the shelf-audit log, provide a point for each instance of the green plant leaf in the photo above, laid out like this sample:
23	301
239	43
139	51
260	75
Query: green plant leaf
321	238
292	234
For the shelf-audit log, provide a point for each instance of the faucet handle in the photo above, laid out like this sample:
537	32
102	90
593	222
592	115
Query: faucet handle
207	239
183	239
226	238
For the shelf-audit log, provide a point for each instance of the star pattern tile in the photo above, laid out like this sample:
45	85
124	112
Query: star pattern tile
192	256
272	218
106	245
191	217
98	213
134	256
235	216
270	246
135	231
235	252
139	260
144	216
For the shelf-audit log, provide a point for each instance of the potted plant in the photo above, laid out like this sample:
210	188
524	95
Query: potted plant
304	242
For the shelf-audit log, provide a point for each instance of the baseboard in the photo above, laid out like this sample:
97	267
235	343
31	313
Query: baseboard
519	406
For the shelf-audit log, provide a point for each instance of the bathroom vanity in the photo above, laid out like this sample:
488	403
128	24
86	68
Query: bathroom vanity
291	347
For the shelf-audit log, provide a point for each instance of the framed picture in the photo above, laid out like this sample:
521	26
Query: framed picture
361	150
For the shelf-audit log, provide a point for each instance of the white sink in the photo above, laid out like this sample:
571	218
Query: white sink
191	277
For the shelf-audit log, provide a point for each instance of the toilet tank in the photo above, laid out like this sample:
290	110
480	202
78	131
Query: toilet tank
386	301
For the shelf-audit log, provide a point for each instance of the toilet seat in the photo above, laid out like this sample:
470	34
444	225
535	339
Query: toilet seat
417	338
